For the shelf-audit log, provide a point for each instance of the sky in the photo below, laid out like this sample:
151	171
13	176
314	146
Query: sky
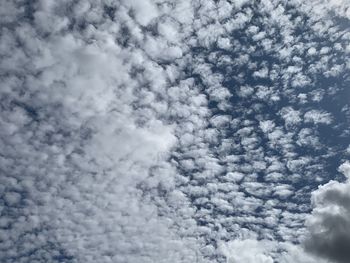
156	131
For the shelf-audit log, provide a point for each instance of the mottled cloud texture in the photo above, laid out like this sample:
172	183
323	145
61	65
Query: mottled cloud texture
174	131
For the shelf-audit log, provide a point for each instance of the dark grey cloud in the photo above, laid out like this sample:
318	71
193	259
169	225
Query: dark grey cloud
329	224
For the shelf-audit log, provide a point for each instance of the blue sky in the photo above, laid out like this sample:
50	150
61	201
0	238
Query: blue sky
174	131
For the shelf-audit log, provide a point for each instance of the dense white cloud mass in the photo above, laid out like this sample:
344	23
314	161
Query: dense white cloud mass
251	250
81	132
173	131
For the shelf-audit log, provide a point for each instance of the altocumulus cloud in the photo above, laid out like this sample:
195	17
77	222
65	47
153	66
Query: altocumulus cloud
173	131
81	131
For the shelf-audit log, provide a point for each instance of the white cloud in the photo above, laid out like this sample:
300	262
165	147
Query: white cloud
291	116
316	117
124	139
251	250
80	152
145	11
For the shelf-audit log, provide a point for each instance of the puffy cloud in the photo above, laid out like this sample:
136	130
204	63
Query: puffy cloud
251	250
290	115
329	224
145	11
248	250
316	117
84	138
153	131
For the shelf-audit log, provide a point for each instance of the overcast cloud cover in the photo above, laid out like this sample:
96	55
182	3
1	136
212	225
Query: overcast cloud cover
136	131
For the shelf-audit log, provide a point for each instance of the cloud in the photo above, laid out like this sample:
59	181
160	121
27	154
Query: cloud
329	223
316	117
162	131
85	141
251	250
